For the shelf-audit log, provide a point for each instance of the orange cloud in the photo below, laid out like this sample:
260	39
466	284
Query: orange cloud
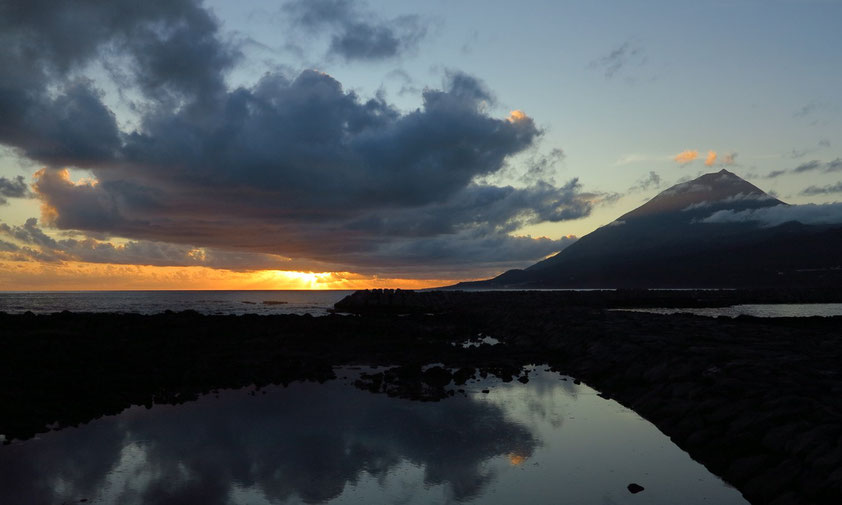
57	179
686	156
75	275
516	459
516	116
711	159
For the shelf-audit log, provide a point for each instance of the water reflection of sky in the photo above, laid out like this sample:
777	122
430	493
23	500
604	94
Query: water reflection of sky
755	310
548	441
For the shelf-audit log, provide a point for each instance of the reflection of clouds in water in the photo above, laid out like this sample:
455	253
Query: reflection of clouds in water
544	401
33	472
306	442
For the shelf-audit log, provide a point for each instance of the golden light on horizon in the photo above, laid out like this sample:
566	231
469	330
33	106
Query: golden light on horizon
75	275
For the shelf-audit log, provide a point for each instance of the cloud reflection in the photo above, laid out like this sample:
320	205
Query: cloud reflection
307	442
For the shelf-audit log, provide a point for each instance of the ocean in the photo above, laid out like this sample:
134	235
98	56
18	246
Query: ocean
316	303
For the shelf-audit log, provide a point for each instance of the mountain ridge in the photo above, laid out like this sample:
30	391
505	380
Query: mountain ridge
668	242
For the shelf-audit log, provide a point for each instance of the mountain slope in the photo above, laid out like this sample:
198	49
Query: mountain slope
666	243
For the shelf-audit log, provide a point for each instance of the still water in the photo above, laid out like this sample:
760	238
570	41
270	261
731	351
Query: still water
549	441
756	310
152	302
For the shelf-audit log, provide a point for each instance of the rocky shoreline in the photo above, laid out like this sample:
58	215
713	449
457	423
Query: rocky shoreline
755	400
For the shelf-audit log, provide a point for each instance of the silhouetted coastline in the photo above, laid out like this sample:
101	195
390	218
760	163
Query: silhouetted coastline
755	400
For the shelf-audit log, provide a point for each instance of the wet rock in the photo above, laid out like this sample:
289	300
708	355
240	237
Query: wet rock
635	488
437	377
463	375
743	469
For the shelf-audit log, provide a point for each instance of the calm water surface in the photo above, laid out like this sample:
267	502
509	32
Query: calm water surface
757	310
153	302
546	442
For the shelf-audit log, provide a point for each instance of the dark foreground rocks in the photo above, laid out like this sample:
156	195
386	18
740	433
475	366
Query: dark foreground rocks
758	401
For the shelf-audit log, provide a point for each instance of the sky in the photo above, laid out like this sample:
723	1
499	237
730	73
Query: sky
345	144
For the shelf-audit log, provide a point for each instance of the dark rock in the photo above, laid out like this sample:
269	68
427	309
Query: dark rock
461	376
635	488
743	469
437	377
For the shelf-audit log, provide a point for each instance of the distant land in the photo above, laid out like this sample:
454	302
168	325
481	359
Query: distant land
716	231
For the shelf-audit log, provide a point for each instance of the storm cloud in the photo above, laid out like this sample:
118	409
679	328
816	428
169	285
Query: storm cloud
357	34
53	113
13	188
31	243
292	166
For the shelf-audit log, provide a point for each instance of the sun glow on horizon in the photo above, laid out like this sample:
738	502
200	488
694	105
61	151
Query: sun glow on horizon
75	275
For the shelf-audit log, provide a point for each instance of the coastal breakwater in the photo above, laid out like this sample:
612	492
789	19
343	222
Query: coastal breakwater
755	400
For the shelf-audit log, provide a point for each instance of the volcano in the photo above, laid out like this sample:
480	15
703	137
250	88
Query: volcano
676	241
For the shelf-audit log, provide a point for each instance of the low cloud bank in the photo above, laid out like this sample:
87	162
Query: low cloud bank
830	213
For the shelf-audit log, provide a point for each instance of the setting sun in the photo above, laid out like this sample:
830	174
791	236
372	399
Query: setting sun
74	275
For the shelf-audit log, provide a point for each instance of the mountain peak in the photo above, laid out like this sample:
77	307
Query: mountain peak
713	189
666	243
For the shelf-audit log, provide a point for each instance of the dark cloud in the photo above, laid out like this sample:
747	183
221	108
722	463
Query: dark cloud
13	188
356	33
8	246
830	213
54	116
302	168
29	234
823	190
809	166
292	166
543	167
31	243
74	128
626	54
653	180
